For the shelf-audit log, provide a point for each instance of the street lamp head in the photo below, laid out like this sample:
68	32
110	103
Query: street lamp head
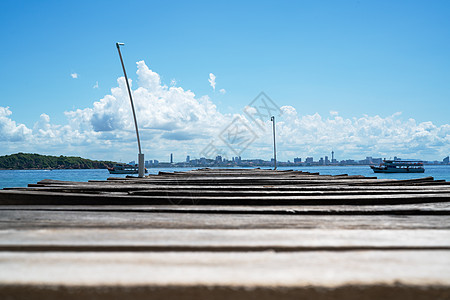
272	118
119	44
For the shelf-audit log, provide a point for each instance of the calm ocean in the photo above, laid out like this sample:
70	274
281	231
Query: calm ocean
20	178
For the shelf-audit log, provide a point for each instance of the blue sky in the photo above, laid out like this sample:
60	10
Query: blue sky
359	59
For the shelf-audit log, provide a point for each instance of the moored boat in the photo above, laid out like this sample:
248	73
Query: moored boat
124	169
399	166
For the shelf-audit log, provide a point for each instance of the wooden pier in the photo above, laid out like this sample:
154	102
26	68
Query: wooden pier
227	233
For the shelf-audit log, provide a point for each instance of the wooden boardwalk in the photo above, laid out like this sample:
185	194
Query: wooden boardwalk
227	233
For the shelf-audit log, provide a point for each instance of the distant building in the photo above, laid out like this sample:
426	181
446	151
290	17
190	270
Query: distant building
367	161
321	161
309	160
188	158
377	161
446	160
218	159
327	161
171	158
297	160
348	162
257	161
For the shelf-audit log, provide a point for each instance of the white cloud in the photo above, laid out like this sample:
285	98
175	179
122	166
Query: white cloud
360	137
166	115
212	80
223	91
9	130
172	119
95	85
74	75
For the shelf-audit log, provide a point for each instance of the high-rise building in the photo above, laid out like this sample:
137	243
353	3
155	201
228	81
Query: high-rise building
297	160
446	160
188	158
171	158
333	160
327	161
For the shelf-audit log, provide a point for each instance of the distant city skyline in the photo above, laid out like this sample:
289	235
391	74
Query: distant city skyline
296	161
362	78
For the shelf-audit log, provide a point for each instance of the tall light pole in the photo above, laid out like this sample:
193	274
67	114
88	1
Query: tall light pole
141	155
274	144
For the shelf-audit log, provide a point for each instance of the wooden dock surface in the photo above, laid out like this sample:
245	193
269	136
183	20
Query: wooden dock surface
227	233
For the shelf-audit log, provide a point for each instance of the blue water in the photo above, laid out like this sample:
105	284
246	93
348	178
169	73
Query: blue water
21	178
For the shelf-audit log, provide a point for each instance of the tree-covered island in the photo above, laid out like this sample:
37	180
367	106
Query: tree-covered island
21	161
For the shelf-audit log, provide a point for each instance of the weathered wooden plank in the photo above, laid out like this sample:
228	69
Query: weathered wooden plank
186	219
253	269
222	239
277	181
236	192
442	208
13	197
126	187
233	193
255	174
191	292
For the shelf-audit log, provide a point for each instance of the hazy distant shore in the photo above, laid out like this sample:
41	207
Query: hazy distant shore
28	161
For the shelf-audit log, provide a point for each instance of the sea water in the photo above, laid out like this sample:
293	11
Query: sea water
21	178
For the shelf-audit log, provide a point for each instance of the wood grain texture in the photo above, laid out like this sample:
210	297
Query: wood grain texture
241	234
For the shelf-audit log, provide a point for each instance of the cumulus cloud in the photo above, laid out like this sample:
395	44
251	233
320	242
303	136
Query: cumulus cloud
9	130
74	75
172	119
212	80
165	114
358	137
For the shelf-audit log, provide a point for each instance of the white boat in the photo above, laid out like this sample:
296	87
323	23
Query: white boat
399	166
124	169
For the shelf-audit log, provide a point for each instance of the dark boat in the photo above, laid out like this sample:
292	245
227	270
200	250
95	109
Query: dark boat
399	166
124	169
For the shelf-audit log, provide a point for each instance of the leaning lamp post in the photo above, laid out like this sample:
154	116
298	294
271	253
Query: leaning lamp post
274	144
141	155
